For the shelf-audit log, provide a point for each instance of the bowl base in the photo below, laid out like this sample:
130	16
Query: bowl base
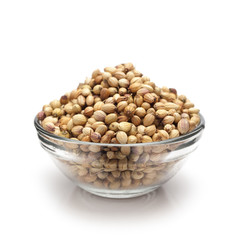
119	193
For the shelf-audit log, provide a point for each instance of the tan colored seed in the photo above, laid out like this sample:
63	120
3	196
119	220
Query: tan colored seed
110	155
99	115
161	113
87	131
57	112
114	126
183	126
105	139
137	175
140	112
164	134
125	150
111	70
146	139
119	75
130	75
156	137
113	82
141	129
196	119
135	87
104	93
96	124
121	105
116	174
124	126
142	91
86	92
168	120
55	104
89	100
136	120
123	83
170	105
98	106
132	139
193	111
69	125
110	118
121	137
148	97
133	130
114	185
108	108
97	89
150	130
129	110
49	126
77	130
88	111
148	120
123	164
188	105
146	105
79	119
101	129
48	111
81	100
95	137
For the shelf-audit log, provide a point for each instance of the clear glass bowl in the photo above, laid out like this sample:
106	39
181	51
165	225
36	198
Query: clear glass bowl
119	170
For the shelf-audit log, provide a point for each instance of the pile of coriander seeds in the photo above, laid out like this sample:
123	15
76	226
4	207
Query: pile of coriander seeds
119	106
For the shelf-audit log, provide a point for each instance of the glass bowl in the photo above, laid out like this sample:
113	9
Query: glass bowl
119	170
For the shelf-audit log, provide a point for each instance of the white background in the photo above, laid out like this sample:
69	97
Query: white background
48	47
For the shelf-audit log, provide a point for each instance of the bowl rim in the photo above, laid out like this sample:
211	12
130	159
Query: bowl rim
198	129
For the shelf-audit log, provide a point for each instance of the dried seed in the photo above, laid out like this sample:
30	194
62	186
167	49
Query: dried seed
148	97
121	105
132	139
110	118
41	115
161	113
112	81
101	129
136	120
77	130
124	126
135	87
108	108
164	135
79	119
88	111
129	110
123	83
146	139
119	75
104	93
168	120
140	112
87	131
137	175
95	137
150	130
183	126
148	120
170	105
99	115
121	137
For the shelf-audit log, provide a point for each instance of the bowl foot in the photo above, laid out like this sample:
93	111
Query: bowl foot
119	193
